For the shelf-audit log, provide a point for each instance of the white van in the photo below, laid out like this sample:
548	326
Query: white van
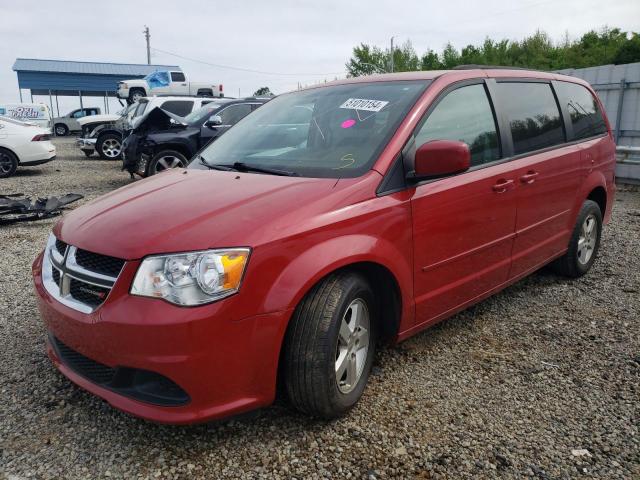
35	113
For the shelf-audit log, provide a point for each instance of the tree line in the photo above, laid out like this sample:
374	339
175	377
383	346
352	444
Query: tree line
538	51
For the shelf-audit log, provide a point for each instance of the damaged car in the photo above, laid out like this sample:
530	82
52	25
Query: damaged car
163	140
102	134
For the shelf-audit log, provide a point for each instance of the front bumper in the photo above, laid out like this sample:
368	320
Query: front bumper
226	365
86	144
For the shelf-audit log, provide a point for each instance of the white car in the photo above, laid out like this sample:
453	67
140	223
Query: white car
23	144
165	83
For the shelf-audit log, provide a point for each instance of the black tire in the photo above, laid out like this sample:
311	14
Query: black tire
312	346
205	93
574	263
109	146
8	163
61	130
87	153
135	94
165	160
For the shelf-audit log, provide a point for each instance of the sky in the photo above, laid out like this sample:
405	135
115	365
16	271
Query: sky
288	42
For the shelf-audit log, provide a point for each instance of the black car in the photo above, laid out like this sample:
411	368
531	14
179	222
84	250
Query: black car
163	140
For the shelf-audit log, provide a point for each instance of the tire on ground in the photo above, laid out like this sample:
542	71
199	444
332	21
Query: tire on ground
157	165
61	129
100	143
8	163
569	264
311	346
134	93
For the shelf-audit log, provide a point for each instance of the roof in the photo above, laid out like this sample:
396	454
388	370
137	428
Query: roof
90	68
451	76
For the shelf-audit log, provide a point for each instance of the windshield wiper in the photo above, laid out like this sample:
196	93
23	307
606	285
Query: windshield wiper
225	168
245	167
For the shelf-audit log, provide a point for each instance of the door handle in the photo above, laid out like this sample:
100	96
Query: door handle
529	177
502	185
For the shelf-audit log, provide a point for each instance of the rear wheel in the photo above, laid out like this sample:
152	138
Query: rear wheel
61	129
584	243
8	163
109	146
330	346
166	160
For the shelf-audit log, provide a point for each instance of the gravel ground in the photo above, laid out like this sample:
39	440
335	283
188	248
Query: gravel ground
539	381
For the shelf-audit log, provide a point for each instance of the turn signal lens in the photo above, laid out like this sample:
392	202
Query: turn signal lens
191	278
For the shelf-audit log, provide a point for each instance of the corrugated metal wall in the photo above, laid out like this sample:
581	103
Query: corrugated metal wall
618	86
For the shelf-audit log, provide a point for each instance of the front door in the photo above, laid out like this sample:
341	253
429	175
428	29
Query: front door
463	225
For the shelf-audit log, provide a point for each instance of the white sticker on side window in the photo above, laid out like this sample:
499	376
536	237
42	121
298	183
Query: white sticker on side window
364	104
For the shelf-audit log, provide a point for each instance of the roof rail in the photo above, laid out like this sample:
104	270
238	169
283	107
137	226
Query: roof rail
492	67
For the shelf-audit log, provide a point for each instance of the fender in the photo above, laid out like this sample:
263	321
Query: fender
299	276
594	180
104	130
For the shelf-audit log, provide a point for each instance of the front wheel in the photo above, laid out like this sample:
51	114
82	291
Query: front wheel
166	160
109	146
330	346
584	243
135	95
61	129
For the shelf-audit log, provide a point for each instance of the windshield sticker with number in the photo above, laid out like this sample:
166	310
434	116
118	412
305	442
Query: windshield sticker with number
364	104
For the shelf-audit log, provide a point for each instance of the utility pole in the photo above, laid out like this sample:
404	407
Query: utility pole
147	35
391	62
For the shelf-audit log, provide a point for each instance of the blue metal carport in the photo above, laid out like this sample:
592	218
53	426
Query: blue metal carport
70	78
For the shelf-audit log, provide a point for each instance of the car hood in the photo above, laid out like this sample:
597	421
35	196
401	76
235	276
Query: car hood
106	117
183	210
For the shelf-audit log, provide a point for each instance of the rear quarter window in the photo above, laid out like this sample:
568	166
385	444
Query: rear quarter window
586	118
533	115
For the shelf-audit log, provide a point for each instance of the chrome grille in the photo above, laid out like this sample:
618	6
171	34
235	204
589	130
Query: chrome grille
77	278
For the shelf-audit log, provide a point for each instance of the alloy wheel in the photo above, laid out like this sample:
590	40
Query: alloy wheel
587	239
6	163
111	148
167	162
353	345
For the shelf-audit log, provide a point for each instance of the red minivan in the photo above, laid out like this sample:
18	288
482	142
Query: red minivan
331	220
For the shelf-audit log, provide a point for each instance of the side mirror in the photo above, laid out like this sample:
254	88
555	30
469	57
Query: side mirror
438	158
214	121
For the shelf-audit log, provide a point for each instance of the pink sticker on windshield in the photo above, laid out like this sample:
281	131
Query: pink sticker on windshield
348	123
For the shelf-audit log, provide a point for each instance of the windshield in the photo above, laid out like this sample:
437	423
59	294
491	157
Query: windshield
332	132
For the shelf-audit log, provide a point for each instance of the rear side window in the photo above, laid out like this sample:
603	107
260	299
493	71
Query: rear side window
178	107
177	77
584	111
532	112
464	115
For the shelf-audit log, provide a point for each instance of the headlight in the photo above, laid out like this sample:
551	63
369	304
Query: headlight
123	85
191	278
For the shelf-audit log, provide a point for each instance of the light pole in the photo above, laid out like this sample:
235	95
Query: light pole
147	35
391	62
